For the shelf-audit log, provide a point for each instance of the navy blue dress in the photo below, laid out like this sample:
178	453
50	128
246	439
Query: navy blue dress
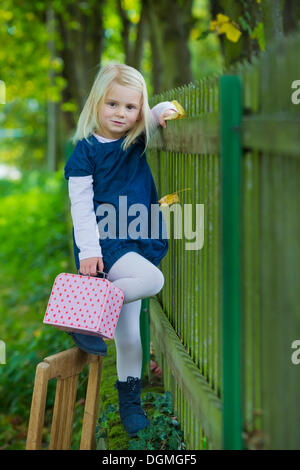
121	173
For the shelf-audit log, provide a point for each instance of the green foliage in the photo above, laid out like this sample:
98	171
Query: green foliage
29	117
33	239
23	354
107	417
206	57
163	433
33	77
259	34
25	64
34	249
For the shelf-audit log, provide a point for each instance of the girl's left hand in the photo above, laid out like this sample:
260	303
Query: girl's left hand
163	115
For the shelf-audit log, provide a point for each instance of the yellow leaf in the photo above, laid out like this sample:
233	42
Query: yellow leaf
212	25
224	25
232	33
171	198
180	112
220	20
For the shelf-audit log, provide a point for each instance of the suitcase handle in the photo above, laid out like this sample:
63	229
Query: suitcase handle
99	274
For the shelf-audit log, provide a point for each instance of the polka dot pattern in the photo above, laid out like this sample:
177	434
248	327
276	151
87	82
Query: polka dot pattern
84	304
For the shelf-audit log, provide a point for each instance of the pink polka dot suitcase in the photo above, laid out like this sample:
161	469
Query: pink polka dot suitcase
84	304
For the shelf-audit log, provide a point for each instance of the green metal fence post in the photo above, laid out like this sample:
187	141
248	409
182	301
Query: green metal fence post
145	338
231	114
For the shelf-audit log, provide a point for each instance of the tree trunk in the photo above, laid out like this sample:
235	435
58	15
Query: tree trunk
141	35
133	52
170	22
125	32
156	42
81	50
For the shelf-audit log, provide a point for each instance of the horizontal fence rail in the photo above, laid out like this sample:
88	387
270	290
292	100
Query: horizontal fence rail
190	311
197	134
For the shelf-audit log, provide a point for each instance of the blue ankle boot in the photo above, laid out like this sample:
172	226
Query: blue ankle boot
90	344
132	415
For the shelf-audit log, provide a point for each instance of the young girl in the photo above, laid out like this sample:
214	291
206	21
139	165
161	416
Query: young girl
107	169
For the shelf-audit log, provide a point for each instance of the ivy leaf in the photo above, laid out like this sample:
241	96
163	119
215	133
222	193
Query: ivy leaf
259	34
245	25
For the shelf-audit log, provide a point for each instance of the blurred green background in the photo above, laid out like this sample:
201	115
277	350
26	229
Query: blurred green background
50	52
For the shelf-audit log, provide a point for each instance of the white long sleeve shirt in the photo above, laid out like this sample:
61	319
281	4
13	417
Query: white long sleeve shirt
81	195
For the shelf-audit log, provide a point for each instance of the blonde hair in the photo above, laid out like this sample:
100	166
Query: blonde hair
123	75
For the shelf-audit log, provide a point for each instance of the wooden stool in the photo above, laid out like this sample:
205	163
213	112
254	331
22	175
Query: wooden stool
65	366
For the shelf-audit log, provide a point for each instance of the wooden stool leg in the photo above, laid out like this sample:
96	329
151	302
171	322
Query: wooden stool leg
37	412
63	413
65	366
87	441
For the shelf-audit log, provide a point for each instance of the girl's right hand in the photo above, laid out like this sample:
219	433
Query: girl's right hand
89	265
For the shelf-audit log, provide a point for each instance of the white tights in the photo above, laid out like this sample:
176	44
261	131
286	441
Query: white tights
138	279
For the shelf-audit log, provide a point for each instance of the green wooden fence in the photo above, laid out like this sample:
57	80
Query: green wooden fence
224	323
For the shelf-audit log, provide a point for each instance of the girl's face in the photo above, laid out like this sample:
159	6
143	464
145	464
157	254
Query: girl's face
120	111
